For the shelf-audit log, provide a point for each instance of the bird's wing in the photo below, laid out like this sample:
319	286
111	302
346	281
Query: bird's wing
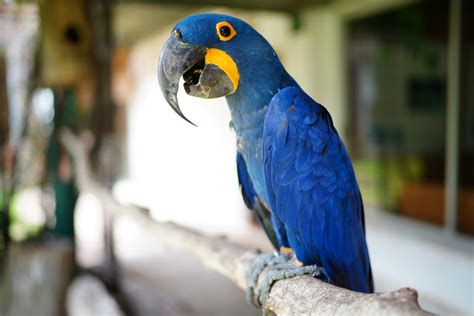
252	201
312	189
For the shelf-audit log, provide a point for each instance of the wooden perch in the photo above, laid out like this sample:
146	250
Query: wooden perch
302	295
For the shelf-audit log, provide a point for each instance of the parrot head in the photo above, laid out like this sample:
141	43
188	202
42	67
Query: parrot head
217	55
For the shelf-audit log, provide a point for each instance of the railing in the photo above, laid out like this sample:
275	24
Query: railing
303	295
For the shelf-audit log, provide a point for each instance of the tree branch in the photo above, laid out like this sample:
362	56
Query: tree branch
302	295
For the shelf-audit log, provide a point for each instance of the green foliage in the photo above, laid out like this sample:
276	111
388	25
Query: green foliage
20	226
381	180
2	241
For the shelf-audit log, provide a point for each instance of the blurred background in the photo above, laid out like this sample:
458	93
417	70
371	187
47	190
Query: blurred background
396	76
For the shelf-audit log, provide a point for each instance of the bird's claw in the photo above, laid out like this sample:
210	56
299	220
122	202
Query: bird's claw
274	267
259	264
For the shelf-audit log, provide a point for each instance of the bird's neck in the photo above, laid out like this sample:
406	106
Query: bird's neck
248	105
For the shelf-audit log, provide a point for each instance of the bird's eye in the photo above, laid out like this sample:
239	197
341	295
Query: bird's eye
225	31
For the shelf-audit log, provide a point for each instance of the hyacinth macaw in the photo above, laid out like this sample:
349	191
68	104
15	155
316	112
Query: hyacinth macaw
293	168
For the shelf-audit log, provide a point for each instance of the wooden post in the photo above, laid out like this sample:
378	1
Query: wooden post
103	114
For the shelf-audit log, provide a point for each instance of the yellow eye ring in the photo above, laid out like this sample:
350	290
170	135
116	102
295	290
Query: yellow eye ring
225	31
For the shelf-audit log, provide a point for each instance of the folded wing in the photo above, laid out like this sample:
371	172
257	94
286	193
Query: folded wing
313	191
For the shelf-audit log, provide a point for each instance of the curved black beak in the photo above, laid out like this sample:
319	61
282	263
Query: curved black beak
176	58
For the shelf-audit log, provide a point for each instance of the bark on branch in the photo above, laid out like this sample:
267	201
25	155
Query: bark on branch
296	296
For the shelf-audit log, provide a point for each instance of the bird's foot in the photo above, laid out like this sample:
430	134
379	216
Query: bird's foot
270	268
260	263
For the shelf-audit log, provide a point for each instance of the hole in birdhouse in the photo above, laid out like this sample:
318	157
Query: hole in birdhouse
72	34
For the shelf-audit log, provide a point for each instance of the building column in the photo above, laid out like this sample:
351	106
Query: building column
319	62
452	117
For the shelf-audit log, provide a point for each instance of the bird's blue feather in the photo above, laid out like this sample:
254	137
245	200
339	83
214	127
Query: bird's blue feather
312	189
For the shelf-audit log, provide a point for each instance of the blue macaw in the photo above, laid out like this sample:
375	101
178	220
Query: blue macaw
293	168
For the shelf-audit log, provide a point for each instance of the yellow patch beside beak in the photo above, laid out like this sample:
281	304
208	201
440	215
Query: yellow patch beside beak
222	60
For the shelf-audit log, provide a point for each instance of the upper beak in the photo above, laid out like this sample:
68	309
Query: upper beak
176	58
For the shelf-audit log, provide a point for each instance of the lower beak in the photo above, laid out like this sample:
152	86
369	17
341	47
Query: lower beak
201	77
